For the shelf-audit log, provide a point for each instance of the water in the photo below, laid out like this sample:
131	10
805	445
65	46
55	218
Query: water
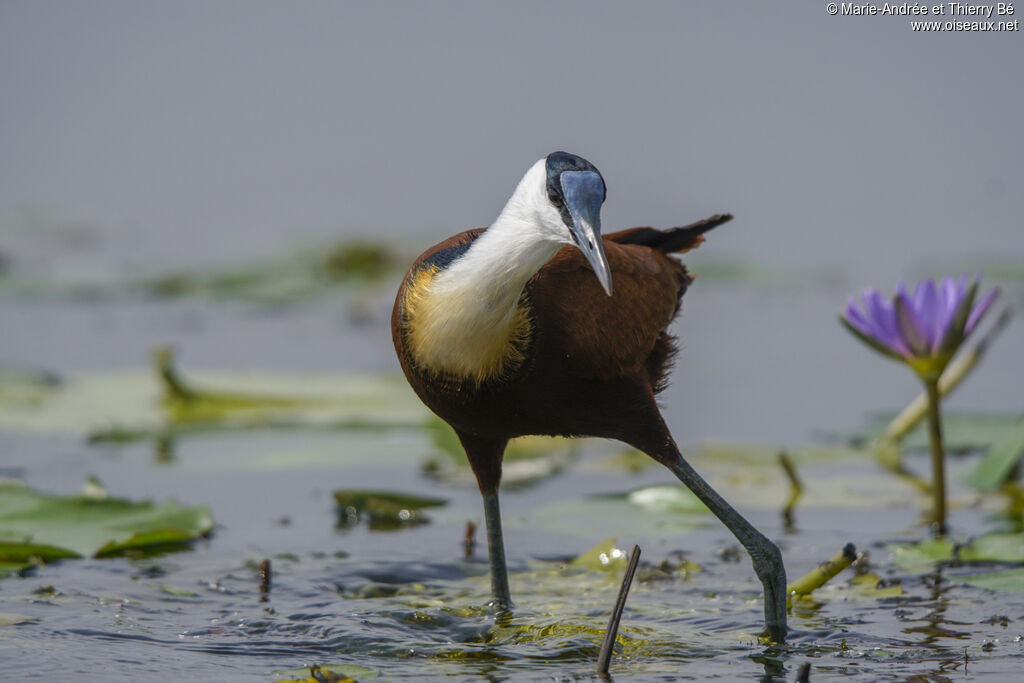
406	604
140	140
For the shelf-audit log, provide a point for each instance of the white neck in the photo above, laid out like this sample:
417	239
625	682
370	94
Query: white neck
470	310
490	276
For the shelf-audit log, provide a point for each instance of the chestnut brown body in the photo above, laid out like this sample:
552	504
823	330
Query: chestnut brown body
568	356
593	363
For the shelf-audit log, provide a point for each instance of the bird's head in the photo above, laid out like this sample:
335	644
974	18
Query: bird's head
560	198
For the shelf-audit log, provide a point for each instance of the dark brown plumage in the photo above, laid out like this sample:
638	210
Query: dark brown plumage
577	362
595	362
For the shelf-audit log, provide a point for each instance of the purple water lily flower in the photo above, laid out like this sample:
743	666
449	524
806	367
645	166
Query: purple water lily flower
925	329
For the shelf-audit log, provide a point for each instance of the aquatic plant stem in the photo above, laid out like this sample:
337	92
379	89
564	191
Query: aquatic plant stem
822	574
951	377
604	658
796	488
931	385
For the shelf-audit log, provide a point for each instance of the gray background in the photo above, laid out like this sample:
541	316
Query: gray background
228	126
187	133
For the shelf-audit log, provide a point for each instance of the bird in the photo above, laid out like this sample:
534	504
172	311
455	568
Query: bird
541	325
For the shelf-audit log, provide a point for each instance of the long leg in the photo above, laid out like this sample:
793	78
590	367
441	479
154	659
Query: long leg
764	554
657	442
485	458
496	552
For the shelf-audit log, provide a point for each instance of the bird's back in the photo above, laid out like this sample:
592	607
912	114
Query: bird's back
591	335
624	335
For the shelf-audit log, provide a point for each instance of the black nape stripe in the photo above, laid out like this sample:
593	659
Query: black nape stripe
556	163
443	258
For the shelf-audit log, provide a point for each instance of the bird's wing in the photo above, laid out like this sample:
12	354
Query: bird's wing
591	334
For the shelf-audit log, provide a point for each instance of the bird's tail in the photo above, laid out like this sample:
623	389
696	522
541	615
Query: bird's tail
673	240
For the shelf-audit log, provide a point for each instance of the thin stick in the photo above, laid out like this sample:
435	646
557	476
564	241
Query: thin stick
469	540
823	573
955	372
605	658
804	673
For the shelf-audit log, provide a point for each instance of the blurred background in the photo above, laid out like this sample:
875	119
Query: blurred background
247	182
141	139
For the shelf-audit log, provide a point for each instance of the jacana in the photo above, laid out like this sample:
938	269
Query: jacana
541	325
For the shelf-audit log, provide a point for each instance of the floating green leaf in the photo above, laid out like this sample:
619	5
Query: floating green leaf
324	673
289	278
667	498
41	527
994	548
383	510
349	265
171	590
923	556
124	407
871	585
25	387
918	558
999	461
11	619
605	556
962	432
528	459
1010	580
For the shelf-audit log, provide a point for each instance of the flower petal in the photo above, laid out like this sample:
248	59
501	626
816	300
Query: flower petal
955	334
928	309
910	325
950	294
871	340
854	316
979	310
882	316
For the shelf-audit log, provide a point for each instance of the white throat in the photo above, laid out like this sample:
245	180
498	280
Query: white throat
468	315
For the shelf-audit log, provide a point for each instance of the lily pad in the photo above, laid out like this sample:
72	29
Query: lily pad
123	407
290	278
918	558
528	459
871	585
324	673
383	510
605	556
999	461
923	556
994	548
961	432
12	619
347	266
25	387
1011	580
767	455
40	527
667	498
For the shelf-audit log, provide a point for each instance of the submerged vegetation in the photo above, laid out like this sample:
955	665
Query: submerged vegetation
347	266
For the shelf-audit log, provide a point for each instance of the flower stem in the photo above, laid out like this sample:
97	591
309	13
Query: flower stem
938	459
954	373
